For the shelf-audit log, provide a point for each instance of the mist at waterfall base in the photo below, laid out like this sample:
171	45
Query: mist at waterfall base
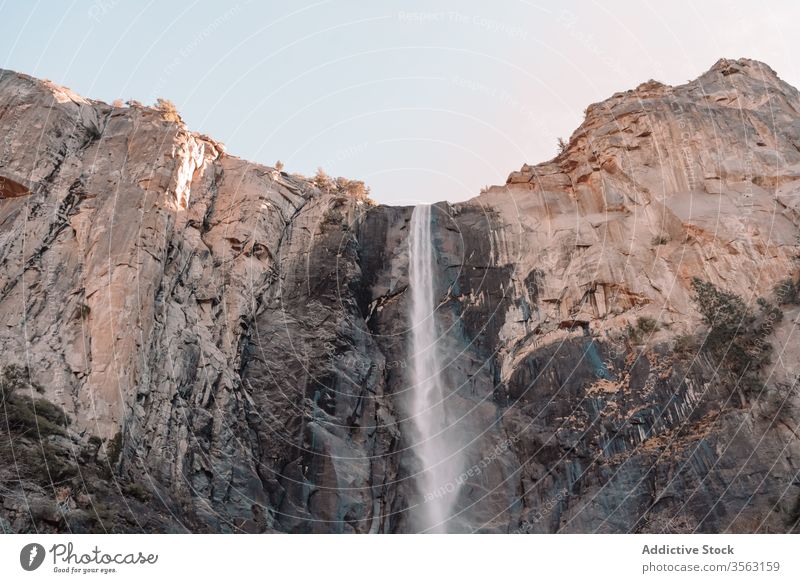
435	439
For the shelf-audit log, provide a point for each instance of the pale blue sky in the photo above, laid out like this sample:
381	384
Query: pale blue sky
423	100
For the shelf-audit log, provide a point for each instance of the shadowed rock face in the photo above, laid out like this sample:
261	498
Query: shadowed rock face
242	335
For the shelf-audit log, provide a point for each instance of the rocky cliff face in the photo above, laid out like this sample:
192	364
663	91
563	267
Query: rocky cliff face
229	342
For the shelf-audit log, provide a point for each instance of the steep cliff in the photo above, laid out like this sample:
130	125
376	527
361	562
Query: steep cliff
229	342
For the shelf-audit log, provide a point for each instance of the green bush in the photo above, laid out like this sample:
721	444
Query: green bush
787	292
114	448
645	327
647	324
686	345
51	412
24	414
136	490
22	419
50	465
736	337
14	378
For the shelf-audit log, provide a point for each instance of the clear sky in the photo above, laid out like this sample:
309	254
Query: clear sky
423	100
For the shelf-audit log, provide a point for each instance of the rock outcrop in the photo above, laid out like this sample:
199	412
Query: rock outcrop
229	341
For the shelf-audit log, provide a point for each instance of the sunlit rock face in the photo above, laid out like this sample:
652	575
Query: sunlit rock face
243	335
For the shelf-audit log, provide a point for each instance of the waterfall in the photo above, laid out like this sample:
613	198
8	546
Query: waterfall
433	439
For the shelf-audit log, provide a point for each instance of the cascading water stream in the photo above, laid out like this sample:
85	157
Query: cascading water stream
433	440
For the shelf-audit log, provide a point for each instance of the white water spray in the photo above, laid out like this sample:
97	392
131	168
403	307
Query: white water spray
433	441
